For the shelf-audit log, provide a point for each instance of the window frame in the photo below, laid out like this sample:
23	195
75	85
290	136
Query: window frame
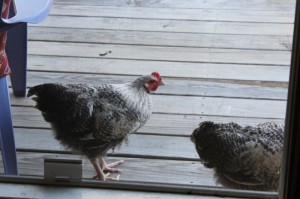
290	175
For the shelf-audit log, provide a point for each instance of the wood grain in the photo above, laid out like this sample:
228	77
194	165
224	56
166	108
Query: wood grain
164	25
167	69
83	35
158	146
133	169
174	86
192	4
202	14
154	53
160	124
214	106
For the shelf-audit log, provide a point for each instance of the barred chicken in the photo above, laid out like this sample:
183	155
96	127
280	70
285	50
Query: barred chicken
241	157
94	119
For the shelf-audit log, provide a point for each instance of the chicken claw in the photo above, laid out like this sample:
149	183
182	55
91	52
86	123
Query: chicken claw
106	177
109	167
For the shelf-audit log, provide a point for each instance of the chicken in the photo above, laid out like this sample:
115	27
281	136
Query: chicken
92	120
241	157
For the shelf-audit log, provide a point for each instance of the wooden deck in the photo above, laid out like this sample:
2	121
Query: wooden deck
222	60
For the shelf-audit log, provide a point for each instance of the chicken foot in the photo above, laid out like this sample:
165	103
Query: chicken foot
109	167
101	166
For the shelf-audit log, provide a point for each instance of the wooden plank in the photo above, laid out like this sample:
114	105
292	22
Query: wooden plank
213	106
137	145
260	42
215	14
154	53
160	124
167	69
133	169
174	86
192	4
14	190
163	25
219	106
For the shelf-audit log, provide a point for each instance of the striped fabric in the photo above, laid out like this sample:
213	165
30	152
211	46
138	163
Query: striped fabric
4	67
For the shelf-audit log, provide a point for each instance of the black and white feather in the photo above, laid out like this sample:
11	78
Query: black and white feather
242	157
93	120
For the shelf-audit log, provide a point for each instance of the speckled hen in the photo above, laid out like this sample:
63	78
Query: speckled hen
94	119
242	157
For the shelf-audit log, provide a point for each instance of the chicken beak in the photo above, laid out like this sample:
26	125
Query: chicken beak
162	83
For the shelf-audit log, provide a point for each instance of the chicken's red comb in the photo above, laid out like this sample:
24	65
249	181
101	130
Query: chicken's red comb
156	74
